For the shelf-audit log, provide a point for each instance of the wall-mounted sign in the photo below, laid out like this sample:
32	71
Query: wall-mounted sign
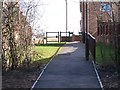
105	8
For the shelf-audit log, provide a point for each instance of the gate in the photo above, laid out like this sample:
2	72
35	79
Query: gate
52	37
66	36
58	37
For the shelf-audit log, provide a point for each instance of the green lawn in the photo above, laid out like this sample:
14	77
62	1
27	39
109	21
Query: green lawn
45	52
105	54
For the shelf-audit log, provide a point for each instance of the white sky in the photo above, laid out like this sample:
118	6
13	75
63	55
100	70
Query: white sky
51	15
54	17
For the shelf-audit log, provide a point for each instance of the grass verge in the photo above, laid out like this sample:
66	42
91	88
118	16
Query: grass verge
105	54
45	52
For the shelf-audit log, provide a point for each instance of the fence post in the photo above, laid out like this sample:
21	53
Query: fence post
83	37
94	51
46	37
0	28
69	36
58	37
92	47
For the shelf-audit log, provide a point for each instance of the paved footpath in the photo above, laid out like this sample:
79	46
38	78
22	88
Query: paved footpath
69	69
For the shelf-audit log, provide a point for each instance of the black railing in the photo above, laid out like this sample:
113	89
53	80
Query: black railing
92	46
83	37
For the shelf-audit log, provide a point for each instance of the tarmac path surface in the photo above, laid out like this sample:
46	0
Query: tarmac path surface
69	69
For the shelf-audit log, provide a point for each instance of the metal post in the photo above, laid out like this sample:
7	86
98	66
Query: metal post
83	24
1	45
58	37
66	20
46	37
69	36
87	39
0	26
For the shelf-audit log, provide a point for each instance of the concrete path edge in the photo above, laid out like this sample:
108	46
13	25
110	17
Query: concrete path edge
98	77
44	68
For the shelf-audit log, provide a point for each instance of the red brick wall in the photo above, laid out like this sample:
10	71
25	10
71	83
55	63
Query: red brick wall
64	38
76	38
93	15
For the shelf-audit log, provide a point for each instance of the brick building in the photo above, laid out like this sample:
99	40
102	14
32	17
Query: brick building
99	22
94	14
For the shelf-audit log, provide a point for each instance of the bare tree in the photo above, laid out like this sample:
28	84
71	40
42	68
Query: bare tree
8	32
17	27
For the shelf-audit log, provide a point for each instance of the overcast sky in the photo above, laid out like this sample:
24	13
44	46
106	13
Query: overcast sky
54	16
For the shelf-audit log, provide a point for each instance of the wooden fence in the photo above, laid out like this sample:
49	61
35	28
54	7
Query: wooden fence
109	34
